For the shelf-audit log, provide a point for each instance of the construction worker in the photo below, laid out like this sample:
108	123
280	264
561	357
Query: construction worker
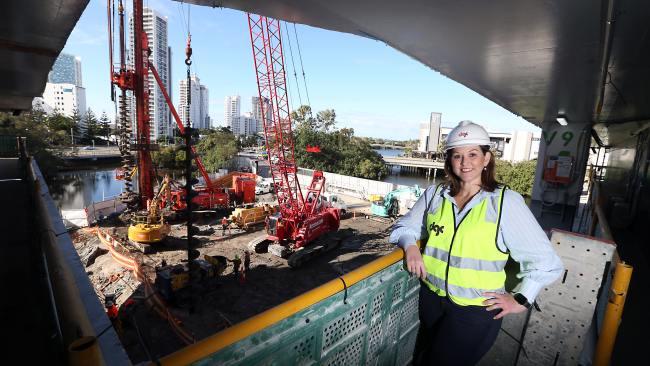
225	224
236	263
112	312
247	260
469	226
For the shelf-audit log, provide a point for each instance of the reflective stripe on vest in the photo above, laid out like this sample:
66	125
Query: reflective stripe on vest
464	259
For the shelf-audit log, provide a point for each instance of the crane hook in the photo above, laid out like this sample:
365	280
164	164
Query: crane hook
188	51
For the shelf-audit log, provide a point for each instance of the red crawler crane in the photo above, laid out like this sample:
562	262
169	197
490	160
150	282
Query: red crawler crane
300	220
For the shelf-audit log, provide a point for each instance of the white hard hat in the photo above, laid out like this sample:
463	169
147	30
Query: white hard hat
465	134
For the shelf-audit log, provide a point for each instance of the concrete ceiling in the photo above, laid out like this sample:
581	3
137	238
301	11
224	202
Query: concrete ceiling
535	58
32	34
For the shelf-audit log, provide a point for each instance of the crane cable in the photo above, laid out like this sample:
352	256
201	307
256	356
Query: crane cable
304	78
293	65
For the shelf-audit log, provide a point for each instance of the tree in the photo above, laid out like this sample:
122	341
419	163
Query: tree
519	176
169	157
92	125
60	127
302	118
248	140
104	126
326	120
340	151
76	119
37	134
216	149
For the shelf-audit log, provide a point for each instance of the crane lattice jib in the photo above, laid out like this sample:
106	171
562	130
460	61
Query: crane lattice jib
266	44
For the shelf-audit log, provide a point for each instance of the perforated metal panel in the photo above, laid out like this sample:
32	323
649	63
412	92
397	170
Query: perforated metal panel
556	335
376	325
344	325
557	332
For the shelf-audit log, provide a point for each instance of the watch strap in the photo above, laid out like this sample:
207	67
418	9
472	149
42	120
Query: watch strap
522	300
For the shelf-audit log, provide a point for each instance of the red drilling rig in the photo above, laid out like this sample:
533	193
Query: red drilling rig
300	220
136	79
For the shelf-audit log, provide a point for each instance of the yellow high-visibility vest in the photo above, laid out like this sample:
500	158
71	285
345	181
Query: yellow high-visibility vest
463	261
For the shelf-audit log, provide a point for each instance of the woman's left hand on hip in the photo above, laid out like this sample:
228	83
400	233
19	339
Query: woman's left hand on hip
506	302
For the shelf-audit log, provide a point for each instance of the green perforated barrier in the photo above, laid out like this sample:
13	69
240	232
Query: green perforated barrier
374	323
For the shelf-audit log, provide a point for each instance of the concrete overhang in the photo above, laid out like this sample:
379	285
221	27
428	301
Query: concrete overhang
32	34
536	59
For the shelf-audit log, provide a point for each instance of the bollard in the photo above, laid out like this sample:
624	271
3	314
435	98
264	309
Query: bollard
613	313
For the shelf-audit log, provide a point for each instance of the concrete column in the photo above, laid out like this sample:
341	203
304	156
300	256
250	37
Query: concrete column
572	140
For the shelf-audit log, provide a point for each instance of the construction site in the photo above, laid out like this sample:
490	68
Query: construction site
222	297
236	268
178	260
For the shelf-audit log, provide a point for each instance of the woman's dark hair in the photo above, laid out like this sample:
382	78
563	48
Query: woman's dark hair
488	180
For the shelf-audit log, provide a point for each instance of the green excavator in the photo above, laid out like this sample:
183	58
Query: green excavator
388	206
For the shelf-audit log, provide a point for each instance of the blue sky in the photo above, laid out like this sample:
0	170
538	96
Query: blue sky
373	88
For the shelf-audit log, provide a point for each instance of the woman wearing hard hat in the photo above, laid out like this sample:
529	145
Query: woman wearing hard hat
469	226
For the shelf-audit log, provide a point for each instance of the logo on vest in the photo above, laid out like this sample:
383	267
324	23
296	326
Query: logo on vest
436	228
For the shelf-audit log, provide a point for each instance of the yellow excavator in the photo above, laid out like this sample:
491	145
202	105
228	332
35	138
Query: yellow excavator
148	227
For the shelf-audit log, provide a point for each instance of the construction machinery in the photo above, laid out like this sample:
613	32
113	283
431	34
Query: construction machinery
247	216
230	190
389	205
134	79
148	227
172	278
300	219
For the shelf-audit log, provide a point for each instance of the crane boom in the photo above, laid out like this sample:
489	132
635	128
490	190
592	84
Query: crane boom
181	128
266	42
300	219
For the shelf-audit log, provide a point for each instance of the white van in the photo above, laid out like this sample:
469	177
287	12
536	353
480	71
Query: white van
335	201
264	187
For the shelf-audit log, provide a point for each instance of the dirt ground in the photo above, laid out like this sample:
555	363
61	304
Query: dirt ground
227	299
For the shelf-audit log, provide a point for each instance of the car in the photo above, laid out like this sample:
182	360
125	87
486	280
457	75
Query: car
87	148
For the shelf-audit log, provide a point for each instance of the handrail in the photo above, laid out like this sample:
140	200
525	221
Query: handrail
226	337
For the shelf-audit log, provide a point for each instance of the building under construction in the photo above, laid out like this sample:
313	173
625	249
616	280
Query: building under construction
574	69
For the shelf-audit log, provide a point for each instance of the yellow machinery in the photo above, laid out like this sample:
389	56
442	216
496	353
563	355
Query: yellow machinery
149	226
244	217
171	278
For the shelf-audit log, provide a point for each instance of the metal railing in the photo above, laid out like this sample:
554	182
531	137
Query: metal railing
368	316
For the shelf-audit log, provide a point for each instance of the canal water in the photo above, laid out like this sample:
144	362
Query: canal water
406	178
80	188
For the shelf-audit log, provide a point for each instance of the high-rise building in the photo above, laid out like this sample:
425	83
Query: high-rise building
257	112
430	133
198	110
64	92
235	126
232	111
66	70
205	107
247	124
65	99
155	26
